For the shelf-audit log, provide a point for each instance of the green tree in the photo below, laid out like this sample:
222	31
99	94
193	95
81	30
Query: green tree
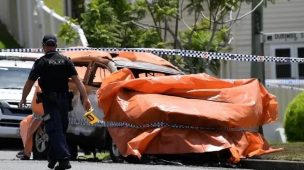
294	119
66	33
111	24
204	34
101	25
122	24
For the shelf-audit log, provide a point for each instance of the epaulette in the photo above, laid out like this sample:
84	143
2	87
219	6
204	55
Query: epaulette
37	59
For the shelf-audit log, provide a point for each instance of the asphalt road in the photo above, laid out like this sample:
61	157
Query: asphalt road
8	161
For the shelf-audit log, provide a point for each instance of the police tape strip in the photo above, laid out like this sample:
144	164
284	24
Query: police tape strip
294	82
111	124
178	52
285	87
289	84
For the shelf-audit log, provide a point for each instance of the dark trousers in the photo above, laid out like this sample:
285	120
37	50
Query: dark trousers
57	105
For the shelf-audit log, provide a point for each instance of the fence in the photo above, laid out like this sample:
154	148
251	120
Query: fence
29	20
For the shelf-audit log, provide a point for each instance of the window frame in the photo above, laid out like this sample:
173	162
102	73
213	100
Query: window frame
293	53
92	72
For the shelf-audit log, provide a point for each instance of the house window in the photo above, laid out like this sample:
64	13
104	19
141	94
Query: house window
301	65
283	70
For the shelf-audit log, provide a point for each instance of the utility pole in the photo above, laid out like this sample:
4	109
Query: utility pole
257	68
176	25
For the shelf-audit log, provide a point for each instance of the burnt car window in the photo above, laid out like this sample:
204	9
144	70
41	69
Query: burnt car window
100	72
141	67
81	70
150	74
139	73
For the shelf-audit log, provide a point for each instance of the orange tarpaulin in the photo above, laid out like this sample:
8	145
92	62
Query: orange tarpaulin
226	114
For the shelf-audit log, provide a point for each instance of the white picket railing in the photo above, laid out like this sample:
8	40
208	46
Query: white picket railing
29	20
55	20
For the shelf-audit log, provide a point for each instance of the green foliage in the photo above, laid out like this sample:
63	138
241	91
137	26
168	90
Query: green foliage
163	9
294	119
56	5
66	33
112	24
148	38
199	40
101	25
121	24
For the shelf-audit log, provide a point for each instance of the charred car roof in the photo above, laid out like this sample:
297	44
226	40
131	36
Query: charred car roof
138	60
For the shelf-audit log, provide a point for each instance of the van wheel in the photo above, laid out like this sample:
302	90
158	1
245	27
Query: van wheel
114	152
40	144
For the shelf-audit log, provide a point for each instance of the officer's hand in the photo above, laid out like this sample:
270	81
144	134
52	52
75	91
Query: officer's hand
87	104
22	103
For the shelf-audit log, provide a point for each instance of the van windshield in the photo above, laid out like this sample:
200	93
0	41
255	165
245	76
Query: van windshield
13	77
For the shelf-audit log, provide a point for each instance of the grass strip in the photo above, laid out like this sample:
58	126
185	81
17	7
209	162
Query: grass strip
293	151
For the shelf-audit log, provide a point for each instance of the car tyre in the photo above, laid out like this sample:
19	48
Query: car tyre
114	152
40	144
116	156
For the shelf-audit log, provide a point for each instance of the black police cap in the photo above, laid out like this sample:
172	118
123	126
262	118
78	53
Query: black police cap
49	40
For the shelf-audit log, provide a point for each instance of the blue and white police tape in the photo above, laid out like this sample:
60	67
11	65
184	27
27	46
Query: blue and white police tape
95	121
112	124
285	87
294	82
178	52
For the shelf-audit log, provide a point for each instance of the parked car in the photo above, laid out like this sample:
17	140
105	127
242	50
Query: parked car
13	74
93	67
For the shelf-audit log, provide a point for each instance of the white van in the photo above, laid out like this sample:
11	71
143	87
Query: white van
14	71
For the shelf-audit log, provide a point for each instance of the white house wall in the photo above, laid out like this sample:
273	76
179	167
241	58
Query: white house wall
283	16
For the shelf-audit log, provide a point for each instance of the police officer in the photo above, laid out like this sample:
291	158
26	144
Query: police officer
53	71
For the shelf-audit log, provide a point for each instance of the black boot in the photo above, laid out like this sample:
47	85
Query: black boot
63	164
52	164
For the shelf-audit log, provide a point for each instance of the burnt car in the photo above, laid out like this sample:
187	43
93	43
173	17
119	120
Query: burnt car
195	115
93	67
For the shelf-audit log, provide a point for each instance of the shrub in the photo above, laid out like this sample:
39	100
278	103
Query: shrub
294	119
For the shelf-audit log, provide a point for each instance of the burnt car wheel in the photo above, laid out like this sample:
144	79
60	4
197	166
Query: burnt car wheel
114	153
40	144
117	157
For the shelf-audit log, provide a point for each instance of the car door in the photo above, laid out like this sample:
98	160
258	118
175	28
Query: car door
93	73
